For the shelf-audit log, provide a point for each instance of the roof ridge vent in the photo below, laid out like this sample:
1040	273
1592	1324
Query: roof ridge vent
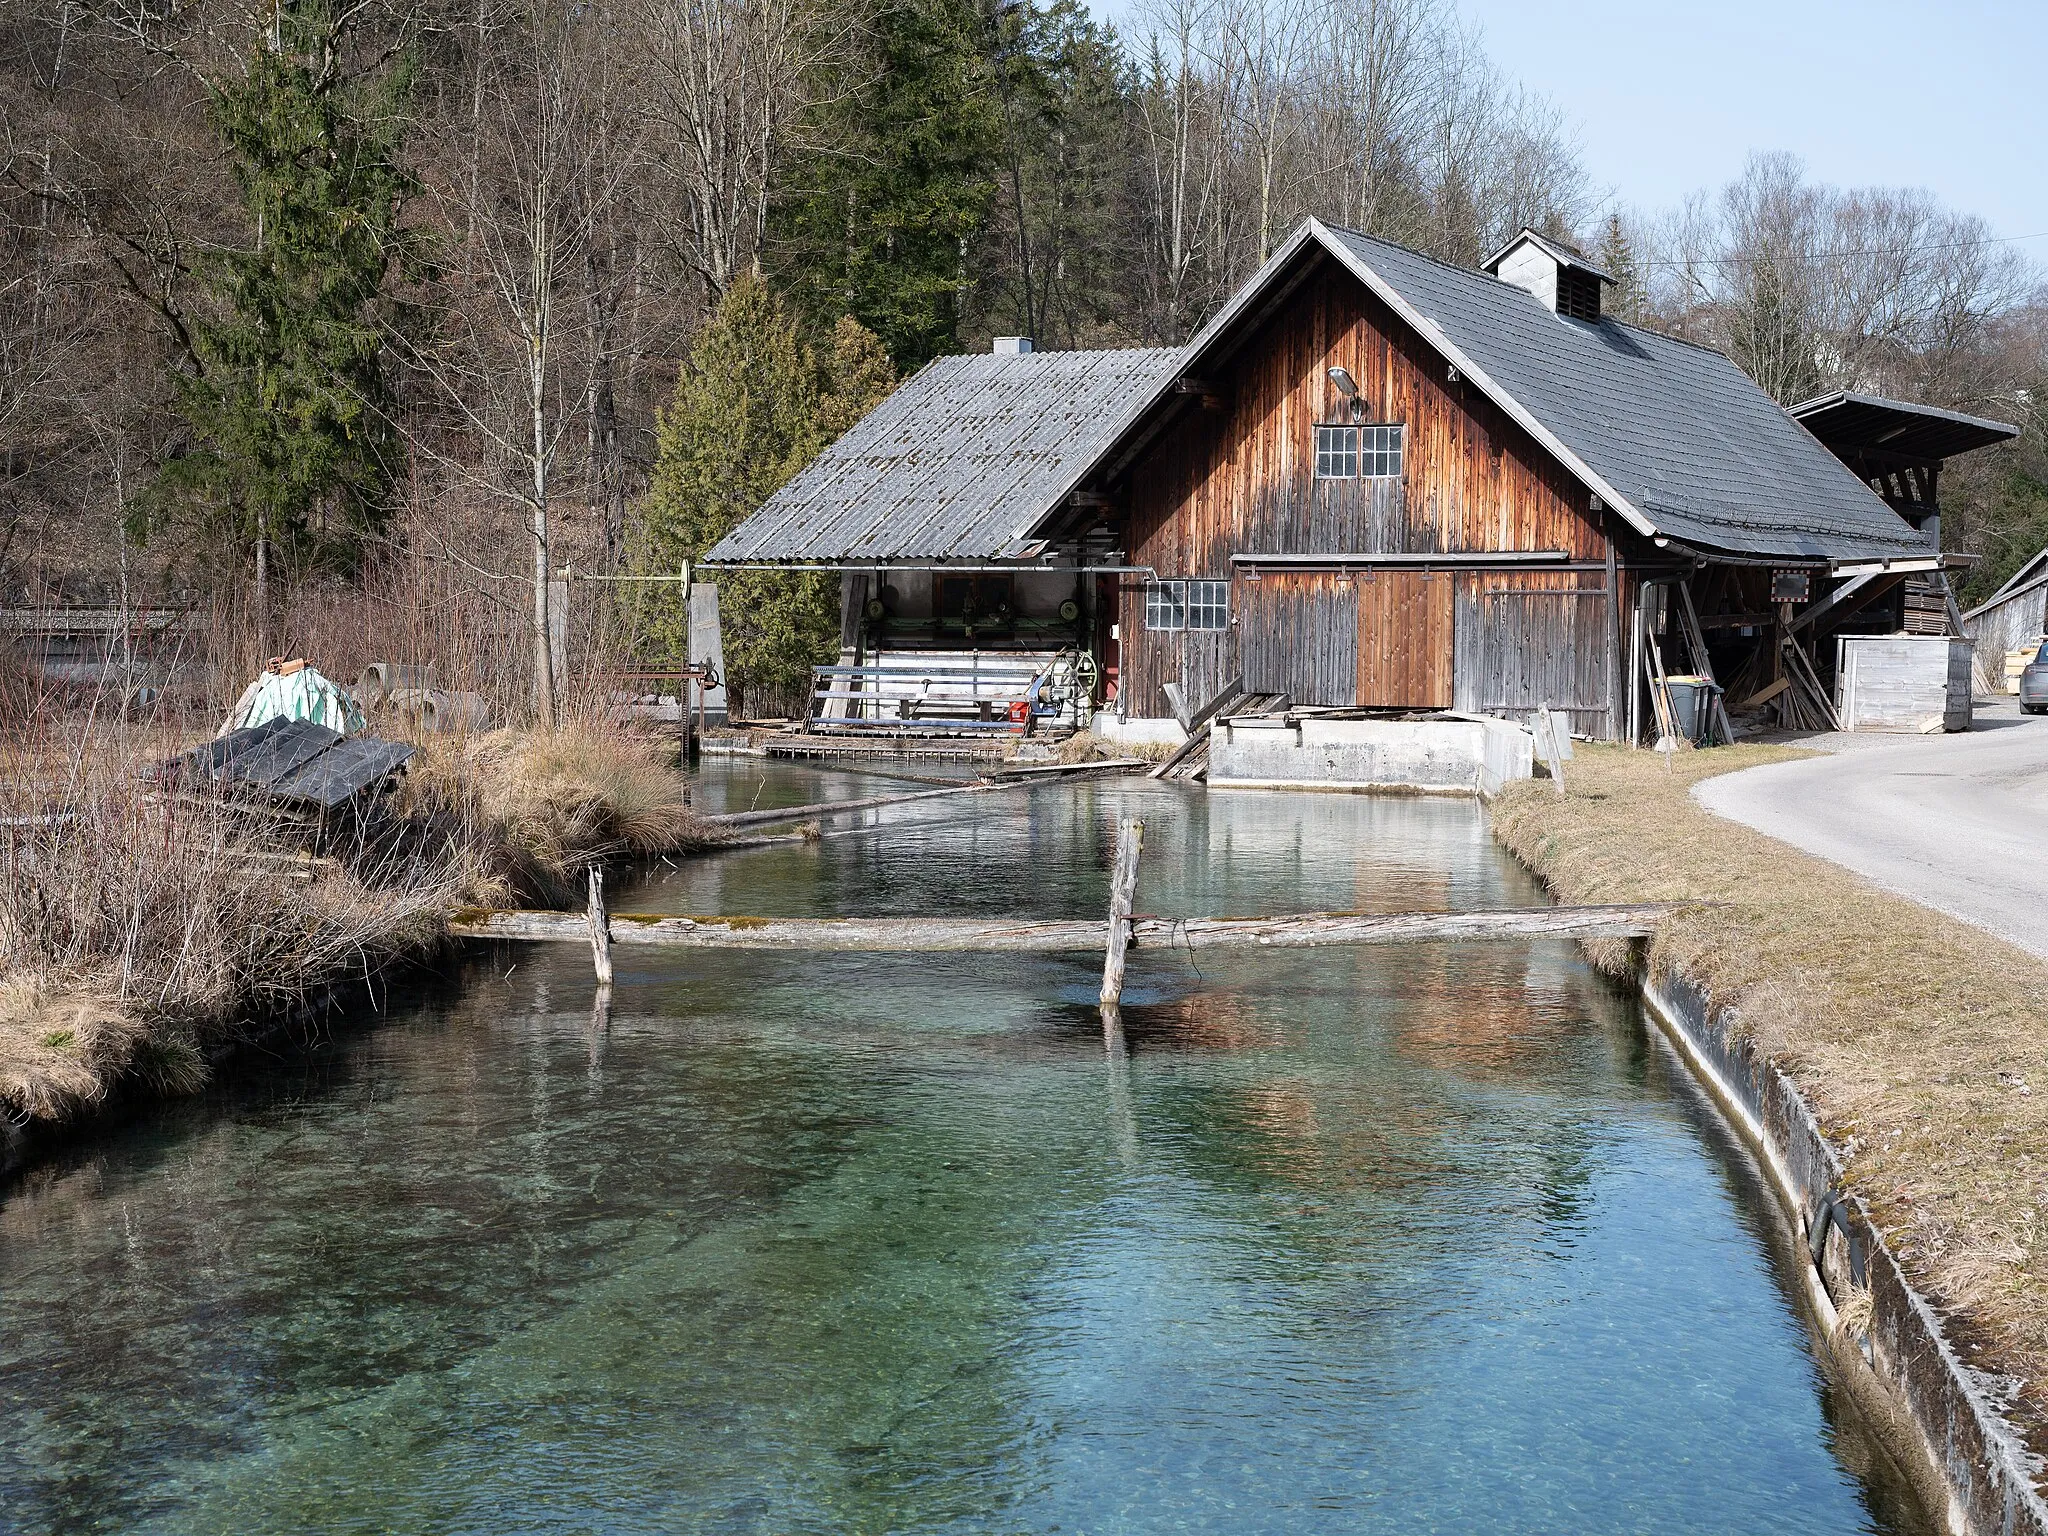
1562	279
1012	346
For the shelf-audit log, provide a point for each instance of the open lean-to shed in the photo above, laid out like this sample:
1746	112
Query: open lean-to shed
1372	481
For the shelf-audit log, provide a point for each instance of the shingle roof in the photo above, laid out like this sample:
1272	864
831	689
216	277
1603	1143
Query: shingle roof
963	454
1676	438
1674	432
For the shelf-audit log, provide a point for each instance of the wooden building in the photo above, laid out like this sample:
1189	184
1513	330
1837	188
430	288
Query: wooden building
1372	482
2012	620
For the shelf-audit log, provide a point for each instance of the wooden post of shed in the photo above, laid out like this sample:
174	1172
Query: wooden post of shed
1616	682
1123	886
600	928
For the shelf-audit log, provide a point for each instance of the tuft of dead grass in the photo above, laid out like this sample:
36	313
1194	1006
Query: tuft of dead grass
1920	1041
552	804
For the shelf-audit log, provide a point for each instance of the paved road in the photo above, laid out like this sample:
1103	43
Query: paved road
1959	823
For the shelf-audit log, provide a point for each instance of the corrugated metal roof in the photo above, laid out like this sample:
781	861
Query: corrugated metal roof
1675	433
298	760
963	454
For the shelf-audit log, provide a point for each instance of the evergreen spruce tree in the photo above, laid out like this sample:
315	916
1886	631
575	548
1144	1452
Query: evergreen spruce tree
1629	300
752	406
879	228
290	445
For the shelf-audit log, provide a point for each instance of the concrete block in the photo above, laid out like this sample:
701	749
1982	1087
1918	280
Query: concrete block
1469	756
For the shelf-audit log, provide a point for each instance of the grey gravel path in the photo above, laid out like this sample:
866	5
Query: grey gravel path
1958	823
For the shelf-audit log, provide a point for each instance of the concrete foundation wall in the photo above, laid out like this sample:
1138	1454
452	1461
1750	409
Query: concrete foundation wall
1971	1468
1138	730
1472	757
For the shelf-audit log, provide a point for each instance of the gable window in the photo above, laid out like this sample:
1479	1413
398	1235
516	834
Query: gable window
1187	605
1359	453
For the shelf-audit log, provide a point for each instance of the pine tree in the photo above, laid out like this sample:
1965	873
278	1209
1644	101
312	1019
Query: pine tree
880	226
752	406
1629	301
1064	248
291	446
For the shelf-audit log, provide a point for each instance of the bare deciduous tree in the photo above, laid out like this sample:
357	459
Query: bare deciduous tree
733	87
545	172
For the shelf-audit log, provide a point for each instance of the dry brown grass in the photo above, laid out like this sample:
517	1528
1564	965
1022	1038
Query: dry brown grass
554	804
1921	1042
141	929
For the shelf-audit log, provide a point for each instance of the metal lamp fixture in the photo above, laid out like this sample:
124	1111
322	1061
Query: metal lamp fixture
1347	386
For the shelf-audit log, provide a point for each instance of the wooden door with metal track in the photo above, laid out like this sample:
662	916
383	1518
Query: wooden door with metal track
1405	638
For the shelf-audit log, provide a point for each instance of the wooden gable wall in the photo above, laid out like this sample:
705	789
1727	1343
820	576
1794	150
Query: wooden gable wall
1240	480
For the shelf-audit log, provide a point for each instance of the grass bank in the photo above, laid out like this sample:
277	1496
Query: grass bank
146	932
1920	1042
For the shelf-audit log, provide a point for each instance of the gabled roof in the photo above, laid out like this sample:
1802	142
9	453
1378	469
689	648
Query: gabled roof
1871	424
2029	576
1674	437
1563	255
973	456
942	468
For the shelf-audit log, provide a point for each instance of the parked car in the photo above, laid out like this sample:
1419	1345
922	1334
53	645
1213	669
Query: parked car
2034	683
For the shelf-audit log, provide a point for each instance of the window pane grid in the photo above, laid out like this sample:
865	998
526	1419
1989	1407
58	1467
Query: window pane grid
1187	605
1350	453
1336	453
1380	452
1166	605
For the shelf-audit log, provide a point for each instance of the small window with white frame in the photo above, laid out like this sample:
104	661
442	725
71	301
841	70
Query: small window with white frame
1336	453
1208	605
1371	452
1166	605
1379	451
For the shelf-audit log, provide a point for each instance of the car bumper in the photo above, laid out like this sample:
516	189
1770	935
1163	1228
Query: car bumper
2034	690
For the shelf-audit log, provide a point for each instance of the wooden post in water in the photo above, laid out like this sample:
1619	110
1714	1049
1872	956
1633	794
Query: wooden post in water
1123	888
600	928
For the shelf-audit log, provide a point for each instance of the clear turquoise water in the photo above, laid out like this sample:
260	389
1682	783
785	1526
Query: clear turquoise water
1428	1239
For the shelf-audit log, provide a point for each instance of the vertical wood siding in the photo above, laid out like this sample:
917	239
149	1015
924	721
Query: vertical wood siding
1297	634
1241	481
1405	638
1526	640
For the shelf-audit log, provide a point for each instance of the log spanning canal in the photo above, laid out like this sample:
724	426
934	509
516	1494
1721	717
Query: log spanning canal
1360	1238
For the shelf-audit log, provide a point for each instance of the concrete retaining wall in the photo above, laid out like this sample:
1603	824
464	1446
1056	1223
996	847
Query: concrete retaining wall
1137	731
1976	1473
1470	756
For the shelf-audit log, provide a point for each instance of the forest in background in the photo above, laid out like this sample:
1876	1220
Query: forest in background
290	288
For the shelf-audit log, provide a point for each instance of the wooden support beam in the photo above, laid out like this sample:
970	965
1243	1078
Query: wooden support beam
1123	889
1052	936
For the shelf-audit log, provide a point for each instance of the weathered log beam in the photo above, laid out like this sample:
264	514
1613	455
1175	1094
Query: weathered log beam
995	780
940	935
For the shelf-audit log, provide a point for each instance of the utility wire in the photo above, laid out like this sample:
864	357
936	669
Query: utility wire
1881	250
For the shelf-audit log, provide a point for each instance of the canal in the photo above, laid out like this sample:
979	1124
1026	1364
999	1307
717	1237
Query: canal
1434	1238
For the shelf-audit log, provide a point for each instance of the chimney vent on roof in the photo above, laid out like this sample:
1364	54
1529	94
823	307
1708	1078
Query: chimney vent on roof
1012	346
1558	275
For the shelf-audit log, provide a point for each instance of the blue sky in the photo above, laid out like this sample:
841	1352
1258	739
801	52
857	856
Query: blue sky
1667	98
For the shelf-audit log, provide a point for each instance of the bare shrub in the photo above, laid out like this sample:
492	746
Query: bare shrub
140	922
